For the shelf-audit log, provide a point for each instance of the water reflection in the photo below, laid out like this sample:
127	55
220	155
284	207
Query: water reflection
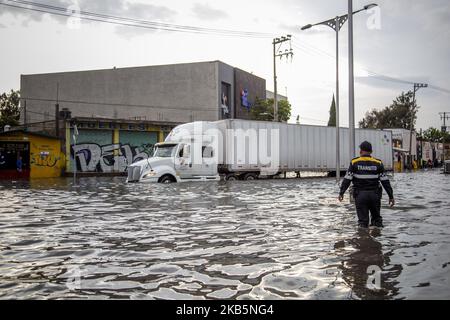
271	239
364	266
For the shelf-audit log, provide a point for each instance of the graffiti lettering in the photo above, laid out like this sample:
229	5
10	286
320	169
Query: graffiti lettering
91	157
43	160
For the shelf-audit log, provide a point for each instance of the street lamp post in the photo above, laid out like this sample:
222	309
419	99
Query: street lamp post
336	24
351	85
417	86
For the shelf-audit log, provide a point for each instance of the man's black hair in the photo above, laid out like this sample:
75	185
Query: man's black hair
366	146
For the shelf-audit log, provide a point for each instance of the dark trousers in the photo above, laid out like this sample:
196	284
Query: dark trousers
368	201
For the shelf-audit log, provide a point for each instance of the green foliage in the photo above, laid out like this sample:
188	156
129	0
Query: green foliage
397	115
263	110
284	110
332	119
434	135
9	109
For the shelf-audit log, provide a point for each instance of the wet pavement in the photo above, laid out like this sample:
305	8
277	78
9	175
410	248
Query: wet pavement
268	239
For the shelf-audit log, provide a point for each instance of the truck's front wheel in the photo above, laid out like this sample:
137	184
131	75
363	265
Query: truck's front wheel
167	179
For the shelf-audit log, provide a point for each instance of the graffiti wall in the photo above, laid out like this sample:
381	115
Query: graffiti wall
109	150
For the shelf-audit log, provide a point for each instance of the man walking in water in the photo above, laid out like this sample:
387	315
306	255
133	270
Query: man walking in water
366	173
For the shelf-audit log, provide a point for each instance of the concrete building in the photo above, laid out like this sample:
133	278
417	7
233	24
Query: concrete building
120	114
176	93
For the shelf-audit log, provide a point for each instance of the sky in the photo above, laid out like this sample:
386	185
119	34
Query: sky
402	39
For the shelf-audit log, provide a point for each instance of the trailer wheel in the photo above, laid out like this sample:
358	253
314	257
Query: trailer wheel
167	179
250	176
231	177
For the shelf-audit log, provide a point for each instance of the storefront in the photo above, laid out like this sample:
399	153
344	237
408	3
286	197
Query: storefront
110	146
26	155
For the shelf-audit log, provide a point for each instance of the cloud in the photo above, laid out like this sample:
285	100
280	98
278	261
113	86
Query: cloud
118	8
206	12
293	29
150	12
123	8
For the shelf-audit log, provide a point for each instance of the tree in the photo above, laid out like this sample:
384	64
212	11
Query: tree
397	115
284	110
332	120
9	109
263	110
434	135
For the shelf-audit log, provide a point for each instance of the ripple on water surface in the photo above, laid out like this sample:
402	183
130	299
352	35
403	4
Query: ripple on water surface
270	239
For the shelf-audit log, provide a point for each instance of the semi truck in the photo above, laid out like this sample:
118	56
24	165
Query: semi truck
247	150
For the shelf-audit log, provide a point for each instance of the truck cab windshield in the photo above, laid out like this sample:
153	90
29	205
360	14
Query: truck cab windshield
165	151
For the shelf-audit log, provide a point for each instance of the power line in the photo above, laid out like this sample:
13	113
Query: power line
157	25
308	49
123	21
60	11
438	88
371	74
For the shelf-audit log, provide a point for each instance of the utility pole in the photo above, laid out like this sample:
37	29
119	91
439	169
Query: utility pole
421	148
444	116
57	111
338	23
281	54
417	86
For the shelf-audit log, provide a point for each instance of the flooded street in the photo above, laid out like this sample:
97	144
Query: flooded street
268	239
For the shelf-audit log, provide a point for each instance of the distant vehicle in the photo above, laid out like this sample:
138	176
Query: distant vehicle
447	167
248	150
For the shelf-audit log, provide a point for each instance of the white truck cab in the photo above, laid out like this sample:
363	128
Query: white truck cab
174	161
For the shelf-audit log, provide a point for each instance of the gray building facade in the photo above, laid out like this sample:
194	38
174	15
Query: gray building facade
176	93
120	114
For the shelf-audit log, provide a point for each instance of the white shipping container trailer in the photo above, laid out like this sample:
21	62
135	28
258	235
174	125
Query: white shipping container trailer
303	147
240	149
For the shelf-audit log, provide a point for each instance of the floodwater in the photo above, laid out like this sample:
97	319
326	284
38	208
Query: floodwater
272	239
